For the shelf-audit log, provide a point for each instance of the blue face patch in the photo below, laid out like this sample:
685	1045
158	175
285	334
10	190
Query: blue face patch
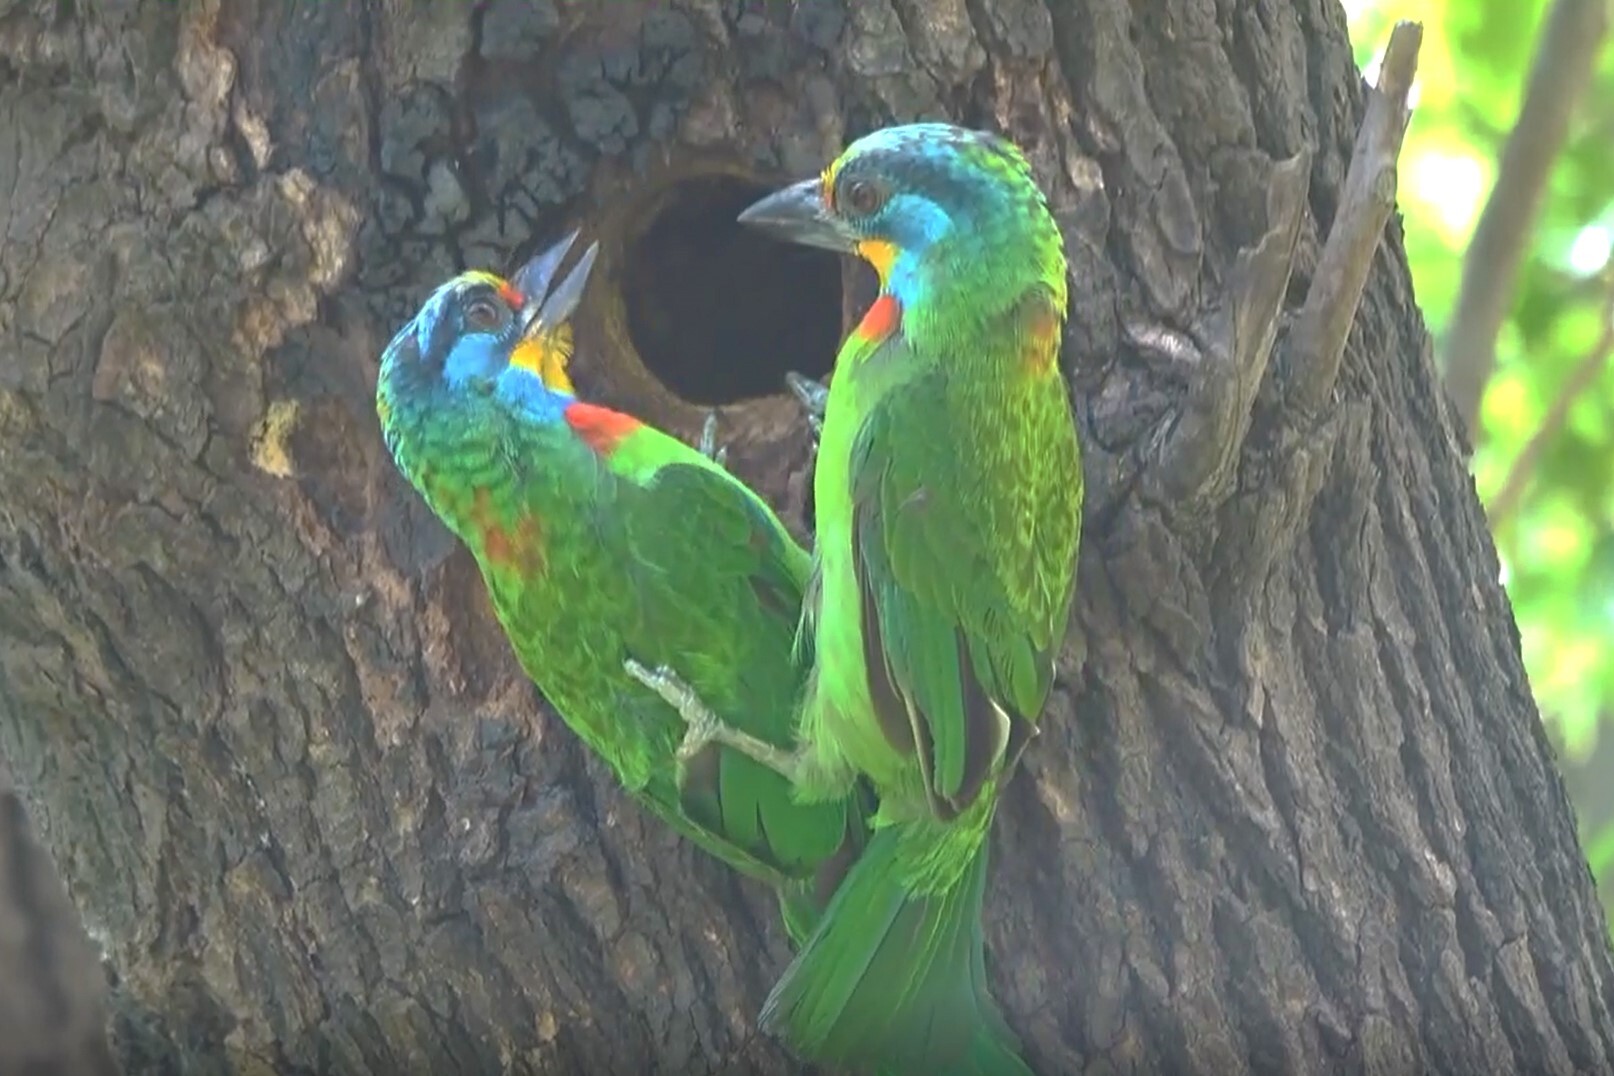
912	224
476	358
525	393
467	357
912	221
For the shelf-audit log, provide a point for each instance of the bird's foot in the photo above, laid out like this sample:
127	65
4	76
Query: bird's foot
813	397
701	724
708	445
703	727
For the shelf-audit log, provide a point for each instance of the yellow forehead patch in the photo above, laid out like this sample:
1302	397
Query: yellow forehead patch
506	290
826	179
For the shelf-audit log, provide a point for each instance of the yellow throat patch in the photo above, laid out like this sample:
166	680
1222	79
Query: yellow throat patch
547	353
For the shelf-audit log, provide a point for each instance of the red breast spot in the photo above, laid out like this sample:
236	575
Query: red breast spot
600	428
520	550
883	319
519	546
1040	339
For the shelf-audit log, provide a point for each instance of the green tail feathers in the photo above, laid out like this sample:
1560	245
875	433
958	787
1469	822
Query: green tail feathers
803	902
894	980
800	911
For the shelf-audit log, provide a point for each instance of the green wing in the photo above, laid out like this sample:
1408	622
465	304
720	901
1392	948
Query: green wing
721	584
961	619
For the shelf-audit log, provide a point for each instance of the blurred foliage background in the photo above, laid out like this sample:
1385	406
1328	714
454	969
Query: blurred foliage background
1543	435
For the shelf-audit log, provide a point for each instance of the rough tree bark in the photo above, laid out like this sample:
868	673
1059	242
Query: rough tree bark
1293	809
52	992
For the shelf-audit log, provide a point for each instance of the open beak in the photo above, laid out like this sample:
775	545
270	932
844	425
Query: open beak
797	215
547	304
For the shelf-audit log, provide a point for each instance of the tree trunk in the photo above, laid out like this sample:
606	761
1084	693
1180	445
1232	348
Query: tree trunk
52	993
1292	808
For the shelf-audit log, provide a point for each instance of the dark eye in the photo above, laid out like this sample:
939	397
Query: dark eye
485	316
862	197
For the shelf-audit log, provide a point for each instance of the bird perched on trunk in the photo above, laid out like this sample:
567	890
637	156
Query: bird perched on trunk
598	537
949	493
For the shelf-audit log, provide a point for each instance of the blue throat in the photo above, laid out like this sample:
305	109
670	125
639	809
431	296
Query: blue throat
525	393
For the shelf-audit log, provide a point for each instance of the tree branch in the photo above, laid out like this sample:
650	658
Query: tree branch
1581	378
1563	67
1317	341
1200	453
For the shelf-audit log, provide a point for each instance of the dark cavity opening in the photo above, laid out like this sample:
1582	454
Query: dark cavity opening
720	313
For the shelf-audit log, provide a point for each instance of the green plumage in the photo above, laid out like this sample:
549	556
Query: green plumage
600	538
948	490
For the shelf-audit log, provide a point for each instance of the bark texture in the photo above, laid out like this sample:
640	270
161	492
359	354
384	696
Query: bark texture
52	992
1293	808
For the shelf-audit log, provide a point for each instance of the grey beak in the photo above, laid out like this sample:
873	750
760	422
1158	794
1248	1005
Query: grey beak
796	214
544	301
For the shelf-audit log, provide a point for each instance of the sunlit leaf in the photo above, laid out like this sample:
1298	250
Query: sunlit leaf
1446	181
1557	537
1513	406
1581	251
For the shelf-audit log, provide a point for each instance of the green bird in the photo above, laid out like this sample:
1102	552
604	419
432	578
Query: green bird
949	505
599	537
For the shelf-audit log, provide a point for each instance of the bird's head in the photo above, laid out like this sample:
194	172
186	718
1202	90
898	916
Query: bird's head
939	211
477	327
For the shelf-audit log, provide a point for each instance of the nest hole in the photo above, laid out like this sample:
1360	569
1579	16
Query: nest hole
719	313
